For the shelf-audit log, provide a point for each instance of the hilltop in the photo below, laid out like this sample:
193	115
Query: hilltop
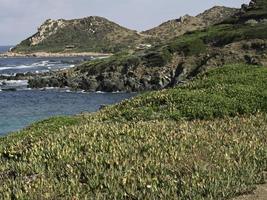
90	34
180	26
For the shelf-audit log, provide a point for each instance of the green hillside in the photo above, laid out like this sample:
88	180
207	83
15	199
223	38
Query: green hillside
91	34
203	140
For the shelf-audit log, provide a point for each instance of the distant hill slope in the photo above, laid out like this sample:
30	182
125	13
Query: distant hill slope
178	27
91	34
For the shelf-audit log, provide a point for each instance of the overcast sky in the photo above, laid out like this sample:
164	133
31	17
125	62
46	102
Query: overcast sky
20	18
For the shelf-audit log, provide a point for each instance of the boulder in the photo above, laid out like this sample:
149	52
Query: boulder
88	84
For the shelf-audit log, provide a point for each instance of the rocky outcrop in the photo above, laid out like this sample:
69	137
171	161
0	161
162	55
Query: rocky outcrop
255	10
140	78
216	15
48	28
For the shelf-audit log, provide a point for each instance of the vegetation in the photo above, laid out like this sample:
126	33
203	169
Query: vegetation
119	60
190	44
177	27
96	34
205	139
227	91
258	11
202	140
92	34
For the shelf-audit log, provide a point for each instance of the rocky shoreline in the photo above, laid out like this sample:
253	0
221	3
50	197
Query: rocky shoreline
131	75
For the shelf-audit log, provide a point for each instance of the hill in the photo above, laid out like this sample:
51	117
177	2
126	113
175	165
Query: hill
97	34
91	34
203	140
178	27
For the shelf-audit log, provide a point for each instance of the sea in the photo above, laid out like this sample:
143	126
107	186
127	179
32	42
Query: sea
20	106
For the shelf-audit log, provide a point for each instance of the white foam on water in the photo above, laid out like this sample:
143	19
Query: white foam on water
99	92
45	63
16	67
14	83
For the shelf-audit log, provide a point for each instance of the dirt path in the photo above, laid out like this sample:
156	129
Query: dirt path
259	194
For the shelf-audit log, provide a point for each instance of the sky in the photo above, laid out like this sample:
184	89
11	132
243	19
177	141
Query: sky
19	19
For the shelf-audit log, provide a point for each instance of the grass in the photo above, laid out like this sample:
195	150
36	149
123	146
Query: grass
170	144
190	44
86	35
227	91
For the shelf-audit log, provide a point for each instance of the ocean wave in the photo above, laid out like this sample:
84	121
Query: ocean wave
13	83
41	63
16	67
45	64
35	65
100	92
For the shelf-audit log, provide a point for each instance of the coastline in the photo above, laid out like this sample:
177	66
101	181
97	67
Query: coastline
49	54
130	121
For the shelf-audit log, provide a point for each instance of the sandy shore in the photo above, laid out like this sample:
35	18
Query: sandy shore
46	54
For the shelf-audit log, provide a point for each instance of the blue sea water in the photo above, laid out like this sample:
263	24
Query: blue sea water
23	106
12	66
4	48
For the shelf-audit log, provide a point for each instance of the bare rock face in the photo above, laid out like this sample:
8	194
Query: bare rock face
216	15
252	3
48	28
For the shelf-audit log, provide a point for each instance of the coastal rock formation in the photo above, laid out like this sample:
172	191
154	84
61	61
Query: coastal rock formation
132	74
